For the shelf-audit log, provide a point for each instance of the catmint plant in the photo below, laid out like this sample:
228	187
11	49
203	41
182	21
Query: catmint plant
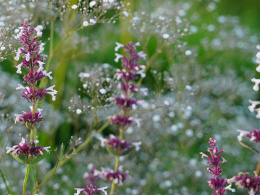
117	146
31	51
215	159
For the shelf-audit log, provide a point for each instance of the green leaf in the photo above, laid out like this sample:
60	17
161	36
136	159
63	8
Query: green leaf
21	159
38	159
128	150
110	150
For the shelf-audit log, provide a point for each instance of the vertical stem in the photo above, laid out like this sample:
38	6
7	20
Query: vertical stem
25	179
31	135
34	179
258	168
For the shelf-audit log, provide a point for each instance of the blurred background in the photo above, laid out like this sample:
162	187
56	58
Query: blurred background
201	58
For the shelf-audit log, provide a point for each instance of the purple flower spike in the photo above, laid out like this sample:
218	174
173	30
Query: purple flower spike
215	160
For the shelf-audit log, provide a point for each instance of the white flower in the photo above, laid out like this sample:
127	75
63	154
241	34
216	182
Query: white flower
78	111
256	86
242	134
19	66
40	65
137	145
74	6
47	74
254	104
17	117
203	155
118	46
141	54
92	4
165	35
20	87
85	23
41	48
2	48
38	30
118	56
19	33
92	21
52	92
102	91
27	56
18	53
126	13
229	188
47	149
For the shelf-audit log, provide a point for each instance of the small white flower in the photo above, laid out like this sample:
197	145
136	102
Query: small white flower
19	33
165	35
118	56
74	6
40	65
18	53
78	190
85	23
92	4
47	74
118	46
256	86
188	52
20	87
203	155
52	92
2	48
229	188
38	30
27	56
41	48
78	111
17	117
137	145
102	91
242	134
92	21
19	66
141	54
126	13
47	149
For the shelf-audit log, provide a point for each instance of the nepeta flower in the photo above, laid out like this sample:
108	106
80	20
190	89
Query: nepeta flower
253	135
90	190
93	175
115	176
27	149
252	184
29	118
33	59
119	146
215	160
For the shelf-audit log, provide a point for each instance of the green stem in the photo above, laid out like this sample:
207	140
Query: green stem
34	178
64	160
3	177
31	135
258	169
25	179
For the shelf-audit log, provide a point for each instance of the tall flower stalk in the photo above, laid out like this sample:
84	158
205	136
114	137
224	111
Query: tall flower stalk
33	60
127	75
216	182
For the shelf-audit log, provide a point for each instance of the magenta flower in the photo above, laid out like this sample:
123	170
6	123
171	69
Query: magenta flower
93	175
29	118
90	190
33	59
29	150
215	160
117	145
115	176
253	135
252	184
